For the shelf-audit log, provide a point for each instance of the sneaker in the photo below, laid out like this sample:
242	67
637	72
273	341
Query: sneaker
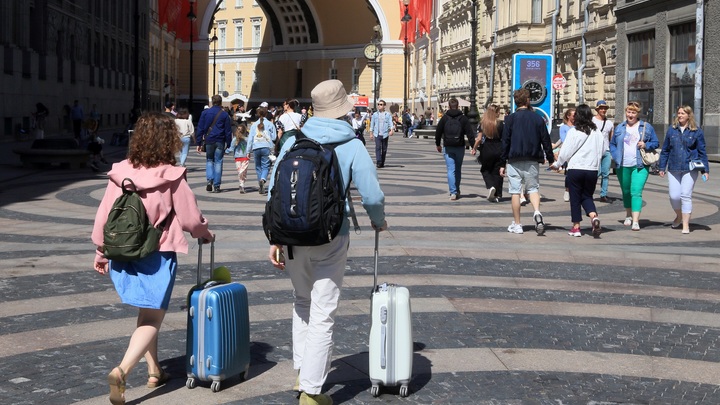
262	187
453	197
94	167
628	221
604	199
575	231
491	194
216	189
242	190
566	196
495	200
596	226
319	399
515	228
209	185
539	224
523	200
635	226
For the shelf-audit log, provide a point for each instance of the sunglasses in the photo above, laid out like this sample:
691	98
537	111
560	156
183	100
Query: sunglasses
634	104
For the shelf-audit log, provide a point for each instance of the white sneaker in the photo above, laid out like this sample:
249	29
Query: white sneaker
515	228
635	226
628	221
491	194
523	200
566	196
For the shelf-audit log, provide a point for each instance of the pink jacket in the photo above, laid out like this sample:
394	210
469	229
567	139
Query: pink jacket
165	194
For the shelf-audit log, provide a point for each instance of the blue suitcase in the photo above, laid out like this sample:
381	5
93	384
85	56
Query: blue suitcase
218	333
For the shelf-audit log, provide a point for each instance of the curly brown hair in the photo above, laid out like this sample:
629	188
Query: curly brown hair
155	141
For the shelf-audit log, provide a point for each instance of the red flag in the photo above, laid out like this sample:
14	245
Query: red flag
174	14
423	10
410	24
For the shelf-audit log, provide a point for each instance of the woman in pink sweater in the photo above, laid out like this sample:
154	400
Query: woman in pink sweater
170	203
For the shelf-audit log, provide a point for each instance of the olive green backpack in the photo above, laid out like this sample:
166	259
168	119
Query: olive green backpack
128	235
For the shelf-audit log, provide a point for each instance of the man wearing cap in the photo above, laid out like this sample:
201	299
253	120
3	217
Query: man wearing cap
317	272
605	126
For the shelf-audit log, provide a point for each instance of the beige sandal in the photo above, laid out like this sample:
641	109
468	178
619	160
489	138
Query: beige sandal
117	387
162	378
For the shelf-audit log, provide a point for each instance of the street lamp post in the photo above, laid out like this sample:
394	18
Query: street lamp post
214	41
376	39
405	19
473	113
191	16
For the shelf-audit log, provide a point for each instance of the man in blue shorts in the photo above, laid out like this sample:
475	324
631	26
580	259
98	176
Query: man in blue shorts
524	140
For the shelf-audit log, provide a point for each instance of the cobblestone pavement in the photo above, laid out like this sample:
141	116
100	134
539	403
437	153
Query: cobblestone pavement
498	318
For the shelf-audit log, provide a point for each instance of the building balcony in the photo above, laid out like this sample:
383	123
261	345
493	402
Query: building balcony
519	35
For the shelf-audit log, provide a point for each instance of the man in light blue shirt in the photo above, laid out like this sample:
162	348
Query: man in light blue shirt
381	127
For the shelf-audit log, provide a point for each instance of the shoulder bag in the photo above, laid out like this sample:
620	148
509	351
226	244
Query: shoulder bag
202	147
649	157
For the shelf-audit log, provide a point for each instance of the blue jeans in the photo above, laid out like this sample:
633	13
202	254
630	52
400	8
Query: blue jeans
381	145
262	162
184	151
454	156
214	153
604	173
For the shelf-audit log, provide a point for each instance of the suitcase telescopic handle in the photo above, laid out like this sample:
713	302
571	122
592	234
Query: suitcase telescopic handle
375	273
212	259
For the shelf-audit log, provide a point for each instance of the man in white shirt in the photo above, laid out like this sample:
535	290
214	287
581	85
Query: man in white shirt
605	126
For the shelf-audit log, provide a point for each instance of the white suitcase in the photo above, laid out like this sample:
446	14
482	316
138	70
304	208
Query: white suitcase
391	342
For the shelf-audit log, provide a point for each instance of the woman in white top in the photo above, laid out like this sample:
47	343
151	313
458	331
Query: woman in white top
288	123
582	150
187	130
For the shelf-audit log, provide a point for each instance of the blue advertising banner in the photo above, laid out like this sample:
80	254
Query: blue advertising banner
534	72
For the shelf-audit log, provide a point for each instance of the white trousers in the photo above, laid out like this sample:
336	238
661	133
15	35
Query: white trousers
316	273
681	186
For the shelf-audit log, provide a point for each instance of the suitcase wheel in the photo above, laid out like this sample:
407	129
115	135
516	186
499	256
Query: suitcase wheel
404	390
375	390
215	386
191	383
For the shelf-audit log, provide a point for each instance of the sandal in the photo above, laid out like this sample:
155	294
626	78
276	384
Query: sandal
162	377
117	387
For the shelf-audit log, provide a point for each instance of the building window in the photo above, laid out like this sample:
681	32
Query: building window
355	80
682	68
641	69
239	35
537	11
255	3
221	82
222	5
256	38
238	82
256	82
222	38
238	3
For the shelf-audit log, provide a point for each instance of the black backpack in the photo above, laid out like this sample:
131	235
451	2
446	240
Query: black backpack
128	235
307	201
453	132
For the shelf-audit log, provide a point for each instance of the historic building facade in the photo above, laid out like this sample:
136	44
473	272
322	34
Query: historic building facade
110	56
660	56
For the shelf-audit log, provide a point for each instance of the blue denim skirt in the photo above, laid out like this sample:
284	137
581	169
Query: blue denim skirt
145	283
